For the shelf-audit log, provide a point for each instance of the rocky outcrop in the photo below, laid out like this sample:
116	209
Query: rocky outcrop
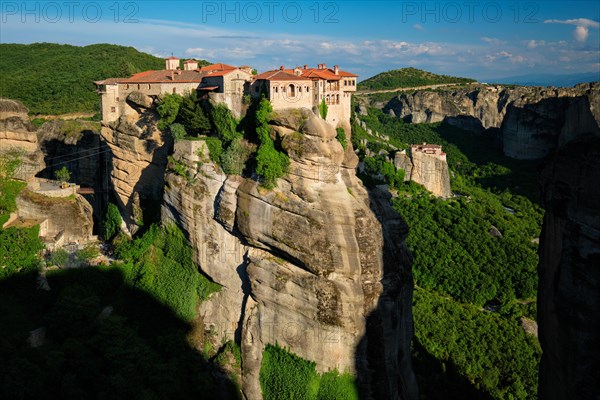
320	274
138	154
569	277
532	121
70	215
429	170
18	135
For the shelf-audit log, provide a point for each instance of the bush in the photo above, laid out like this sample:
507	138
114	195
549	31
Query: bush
215	148
341	137
177	131
112	222
10	161
9	190
19	250
271	164
334	386
233	160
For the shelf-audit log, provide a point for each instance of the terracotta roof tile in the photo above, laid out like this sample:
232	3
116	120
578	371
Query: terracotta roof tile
165	76
279	75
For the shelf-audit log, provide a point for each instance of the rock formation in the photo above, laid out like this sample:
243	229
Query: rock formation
427	168
138	153
532	120
70	215
19	135
569	284
306	265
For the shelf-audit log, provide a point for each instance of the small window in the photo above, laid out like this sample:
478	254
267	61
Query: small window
276	89
127	87
174	90
117	99
113	109
138	86
149	86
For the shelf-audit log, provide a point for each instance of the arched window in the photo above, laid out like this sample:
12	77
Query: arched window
292	91
149	86
174	90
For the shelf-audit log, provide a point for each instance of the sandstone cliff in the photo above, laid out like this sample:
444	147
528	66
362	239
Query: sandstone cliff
138	153
18	134
429	170
532	120
569	285
307	265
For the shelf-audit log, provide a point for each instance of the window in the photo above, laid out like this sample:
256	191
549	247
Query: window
276	89
113	109
307	89
174	90
149	86
127	87
138	86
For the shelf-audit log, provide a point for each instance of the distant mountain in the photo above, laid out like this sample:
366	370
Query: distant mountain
56	79
407	77
546	79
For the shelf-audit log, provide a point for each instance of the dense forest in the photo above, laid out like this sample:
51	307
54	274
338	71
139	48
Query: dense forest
475	259
407	77
57	79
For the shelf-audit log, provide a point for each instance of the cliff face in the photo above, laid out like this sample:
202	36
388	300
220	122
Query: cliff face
569	285
321	275
532	121
18	134
138	154
428	170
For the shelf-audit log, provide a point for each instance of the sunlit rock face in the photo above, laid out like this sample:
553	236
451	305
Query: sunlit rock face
532	121
307	265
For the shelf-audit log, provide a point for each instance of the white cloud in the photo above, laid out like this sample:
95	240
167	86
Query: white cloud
493	41
418	27
582	26
581	33
532	44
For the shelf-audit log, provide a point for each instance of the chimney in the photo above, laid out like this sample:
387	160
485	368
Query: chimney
305	66
336	69
322	66
172	75
281	68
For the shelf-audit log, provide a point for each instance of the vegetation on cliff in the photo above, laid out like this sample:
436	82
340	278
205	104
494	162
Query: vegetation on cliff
56	79
407	77
284	375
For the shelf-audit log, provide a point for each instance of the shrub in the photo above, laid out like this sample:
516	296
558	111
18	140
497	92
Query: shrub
215	148
112	222
341	137
334	386
10	161
19	249
192	116
62	175
233	160
177	131
271	164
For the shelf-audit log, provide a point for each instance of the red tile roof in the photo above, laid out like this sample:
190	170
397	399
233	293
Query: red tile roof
313	74
280	75
218	67
165	76
171	58
190	62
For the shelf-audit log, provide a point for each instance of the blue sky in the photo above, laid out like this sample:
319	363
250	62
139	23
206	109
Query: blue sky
480	39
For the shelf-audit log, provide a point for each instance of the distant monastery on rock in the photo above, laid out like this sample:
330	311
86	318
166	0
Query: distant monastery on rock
285	88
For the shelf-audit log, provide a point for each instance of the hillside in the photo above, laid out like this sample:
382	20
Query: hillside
407	77
56	79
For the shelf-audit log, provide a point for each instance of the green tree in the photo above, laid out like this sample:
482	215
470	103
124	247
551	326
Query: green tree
112	222
271	164
62	175
323	109
59	257
168	110
192	116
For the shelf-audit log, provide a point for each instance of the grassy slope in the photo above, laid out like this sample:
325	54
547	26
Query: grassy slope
56	79
407	77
